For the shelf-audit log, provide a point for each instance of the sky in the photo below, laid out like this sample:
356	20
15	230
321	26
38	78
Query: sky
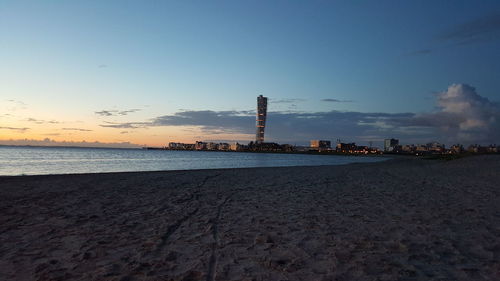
125	73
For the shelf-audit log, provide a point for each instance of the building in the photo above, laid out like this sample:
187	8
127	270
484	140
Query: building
181	146
235	146
493	148
212	146
320	145
456	149
261	118
346	147
175	145
436	147
390	144
408	148
199	145
224	146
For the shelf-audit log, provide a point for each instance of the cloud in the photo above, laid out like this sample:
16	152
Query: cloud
232	121
125	112
52	134
14	105
102	66
105	113
125	125
22	130
335	100
50	142
38	121
286	100
17	102
486	28
420	52
282	126
116	112
76	129
461	115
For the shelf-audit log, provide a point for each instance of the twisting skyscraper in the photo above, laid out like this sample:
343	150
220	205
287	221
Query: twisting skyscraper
261	118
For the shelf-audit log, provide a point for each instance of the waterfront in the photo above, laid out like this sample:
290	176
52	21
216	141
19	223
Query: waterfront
67	160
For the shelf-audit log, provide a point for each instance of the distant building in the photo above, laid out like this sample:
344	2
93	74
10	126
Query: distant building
180	146
435	147
346	147
199	145
265	146
235	146
390	144
223	146
212	146
320	144
175	145
301	148
189	146
421	148
493	148
456	149
475	148
261	118
409	148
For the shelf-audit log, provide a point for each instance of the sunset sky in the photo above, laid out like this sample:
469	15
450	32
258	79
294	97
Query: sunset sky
151	72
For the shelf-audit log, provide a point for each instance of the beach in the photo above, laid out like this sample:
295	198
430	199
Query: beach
402	219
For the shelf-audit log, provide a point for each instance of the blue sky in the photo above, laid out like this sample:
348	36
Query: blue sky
68	60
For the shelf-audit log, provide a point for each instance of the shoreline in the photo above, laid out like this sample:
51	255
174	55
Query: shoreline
392	220
389	158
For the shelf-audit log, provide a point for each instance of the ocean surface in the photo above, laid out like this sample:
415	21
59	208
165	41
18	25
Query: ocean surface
68	160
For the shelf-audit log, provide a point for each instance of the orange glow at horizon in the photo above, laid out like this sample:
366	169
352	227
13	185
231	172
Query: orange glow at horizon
156	136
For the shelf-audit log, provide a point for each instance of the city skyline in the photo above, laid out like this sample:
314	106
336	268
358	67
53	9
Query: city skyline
148	73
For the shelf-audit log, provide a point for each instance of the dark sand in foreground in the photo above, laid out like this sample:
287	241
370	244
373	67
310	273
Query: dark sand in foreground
402	219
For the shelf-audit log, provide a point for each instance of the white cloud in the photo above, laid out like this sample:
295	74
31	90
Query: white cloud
474	111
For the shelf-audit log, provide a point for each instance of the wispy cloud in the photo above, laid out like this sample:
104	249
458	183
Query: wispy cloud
22	130
52	134
50	142
116	112
336	100
76	129
104	113
18	102
228	121
15	105
286	100
486	28
125	125
483	29
420	52
39	121
125	112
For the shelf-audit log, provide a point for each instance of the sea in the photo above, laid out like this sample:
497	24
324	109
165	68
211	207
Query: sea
26	160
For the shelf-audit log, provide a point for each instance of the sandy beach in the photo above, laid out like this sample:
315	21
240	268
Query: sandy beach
404	219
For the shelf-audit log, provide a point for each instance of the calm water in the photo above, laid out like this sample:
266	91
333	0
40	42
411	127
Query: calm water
54	160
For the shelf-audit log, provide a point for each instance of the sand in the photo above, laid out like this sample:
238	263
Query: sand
404	219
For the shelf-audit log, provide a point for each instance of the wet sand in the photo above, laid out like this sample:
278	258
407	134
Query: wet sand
404	219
